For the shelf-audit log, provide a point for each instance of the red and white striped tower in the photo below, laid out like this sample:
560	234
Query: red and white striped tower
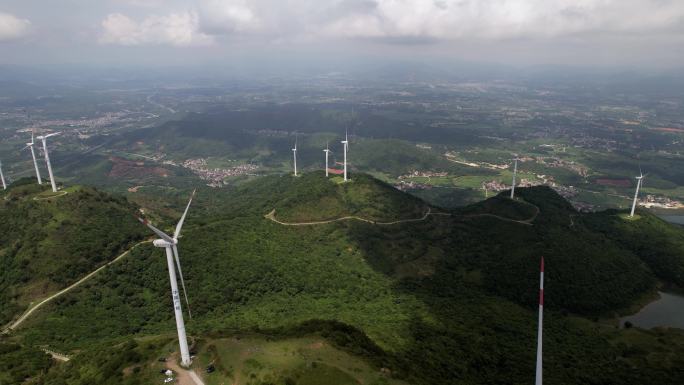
538	380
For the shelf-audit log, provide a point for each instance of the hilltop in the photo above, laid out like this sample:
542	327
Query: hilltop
50	240
313	197
449	298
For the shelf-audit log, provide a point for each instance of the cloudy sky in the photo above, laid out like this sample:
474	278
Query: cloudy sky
631	33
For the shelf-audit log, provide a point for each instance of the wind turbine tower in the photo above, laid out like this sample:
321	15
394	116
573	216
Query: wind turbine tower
43	138
327	153
640	180
294	152
170	245
515	172
538	376
345	142
2	176
33	155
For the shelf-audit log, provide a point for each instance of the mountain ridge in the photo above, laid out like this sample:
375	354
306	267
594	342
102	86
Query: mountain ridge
51	240
449	297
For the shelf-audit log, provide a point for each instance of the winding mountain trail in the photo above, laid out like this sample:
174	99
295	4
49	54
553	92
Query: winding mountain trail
429	212
57	356
35	307
61	193
527	222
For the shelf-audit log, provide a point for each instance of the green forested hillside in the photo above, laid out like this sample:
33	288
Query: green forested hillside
450	299
48	241
658	243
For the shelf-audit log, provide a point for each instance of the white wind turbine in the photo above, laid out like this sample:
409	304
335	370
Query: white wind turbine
327	154
33	154
294	153
170	244
640	180
2	176
538	375
43	138
345	142
515	172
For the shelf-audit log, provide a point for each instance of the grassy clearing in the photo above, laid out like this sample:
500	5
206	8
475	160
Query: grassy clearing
303	361
626	217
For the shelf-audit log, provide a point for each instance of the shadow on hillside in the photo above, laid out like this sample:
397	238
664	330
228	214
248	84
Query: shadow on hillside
478	277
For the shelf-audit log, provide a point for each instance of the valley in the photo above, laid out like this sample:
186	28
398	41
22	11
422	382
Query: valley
462	135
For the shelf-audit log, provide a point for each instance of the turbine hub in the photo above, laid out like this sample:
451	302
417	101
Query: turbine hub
161	243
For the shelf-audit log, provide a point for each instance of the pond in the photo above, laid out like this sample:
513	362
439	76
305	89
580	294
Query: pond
667	311
678	219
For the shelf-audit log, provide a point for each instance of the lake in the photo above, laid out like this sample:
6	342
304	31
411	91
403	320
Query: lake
668	311
678	219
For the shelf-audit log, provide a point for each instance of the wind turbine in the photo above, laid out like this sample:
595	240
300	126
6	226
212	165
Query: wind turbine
2	176
33	154
43	138
538	376
294	153
515	172
345	142
327	153
170	244
640	180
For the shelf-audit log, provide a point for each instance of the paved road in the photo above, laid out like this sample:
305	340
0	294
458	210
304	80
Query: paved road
195	377
35	307
184	376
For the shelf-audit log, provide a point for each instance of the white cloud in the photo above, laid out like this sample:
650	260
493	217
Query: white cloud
234	16
142	3
485	27
440	19
12	27
179	29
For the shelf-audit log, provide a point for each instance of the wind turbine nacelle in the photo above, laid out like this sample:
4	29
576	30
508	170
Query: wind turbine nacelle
161	243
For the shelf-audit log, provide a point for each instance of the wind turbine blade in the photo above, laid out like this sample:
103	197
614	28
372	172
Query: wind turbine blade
180	273
27	146
53	134
176	234
160	233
